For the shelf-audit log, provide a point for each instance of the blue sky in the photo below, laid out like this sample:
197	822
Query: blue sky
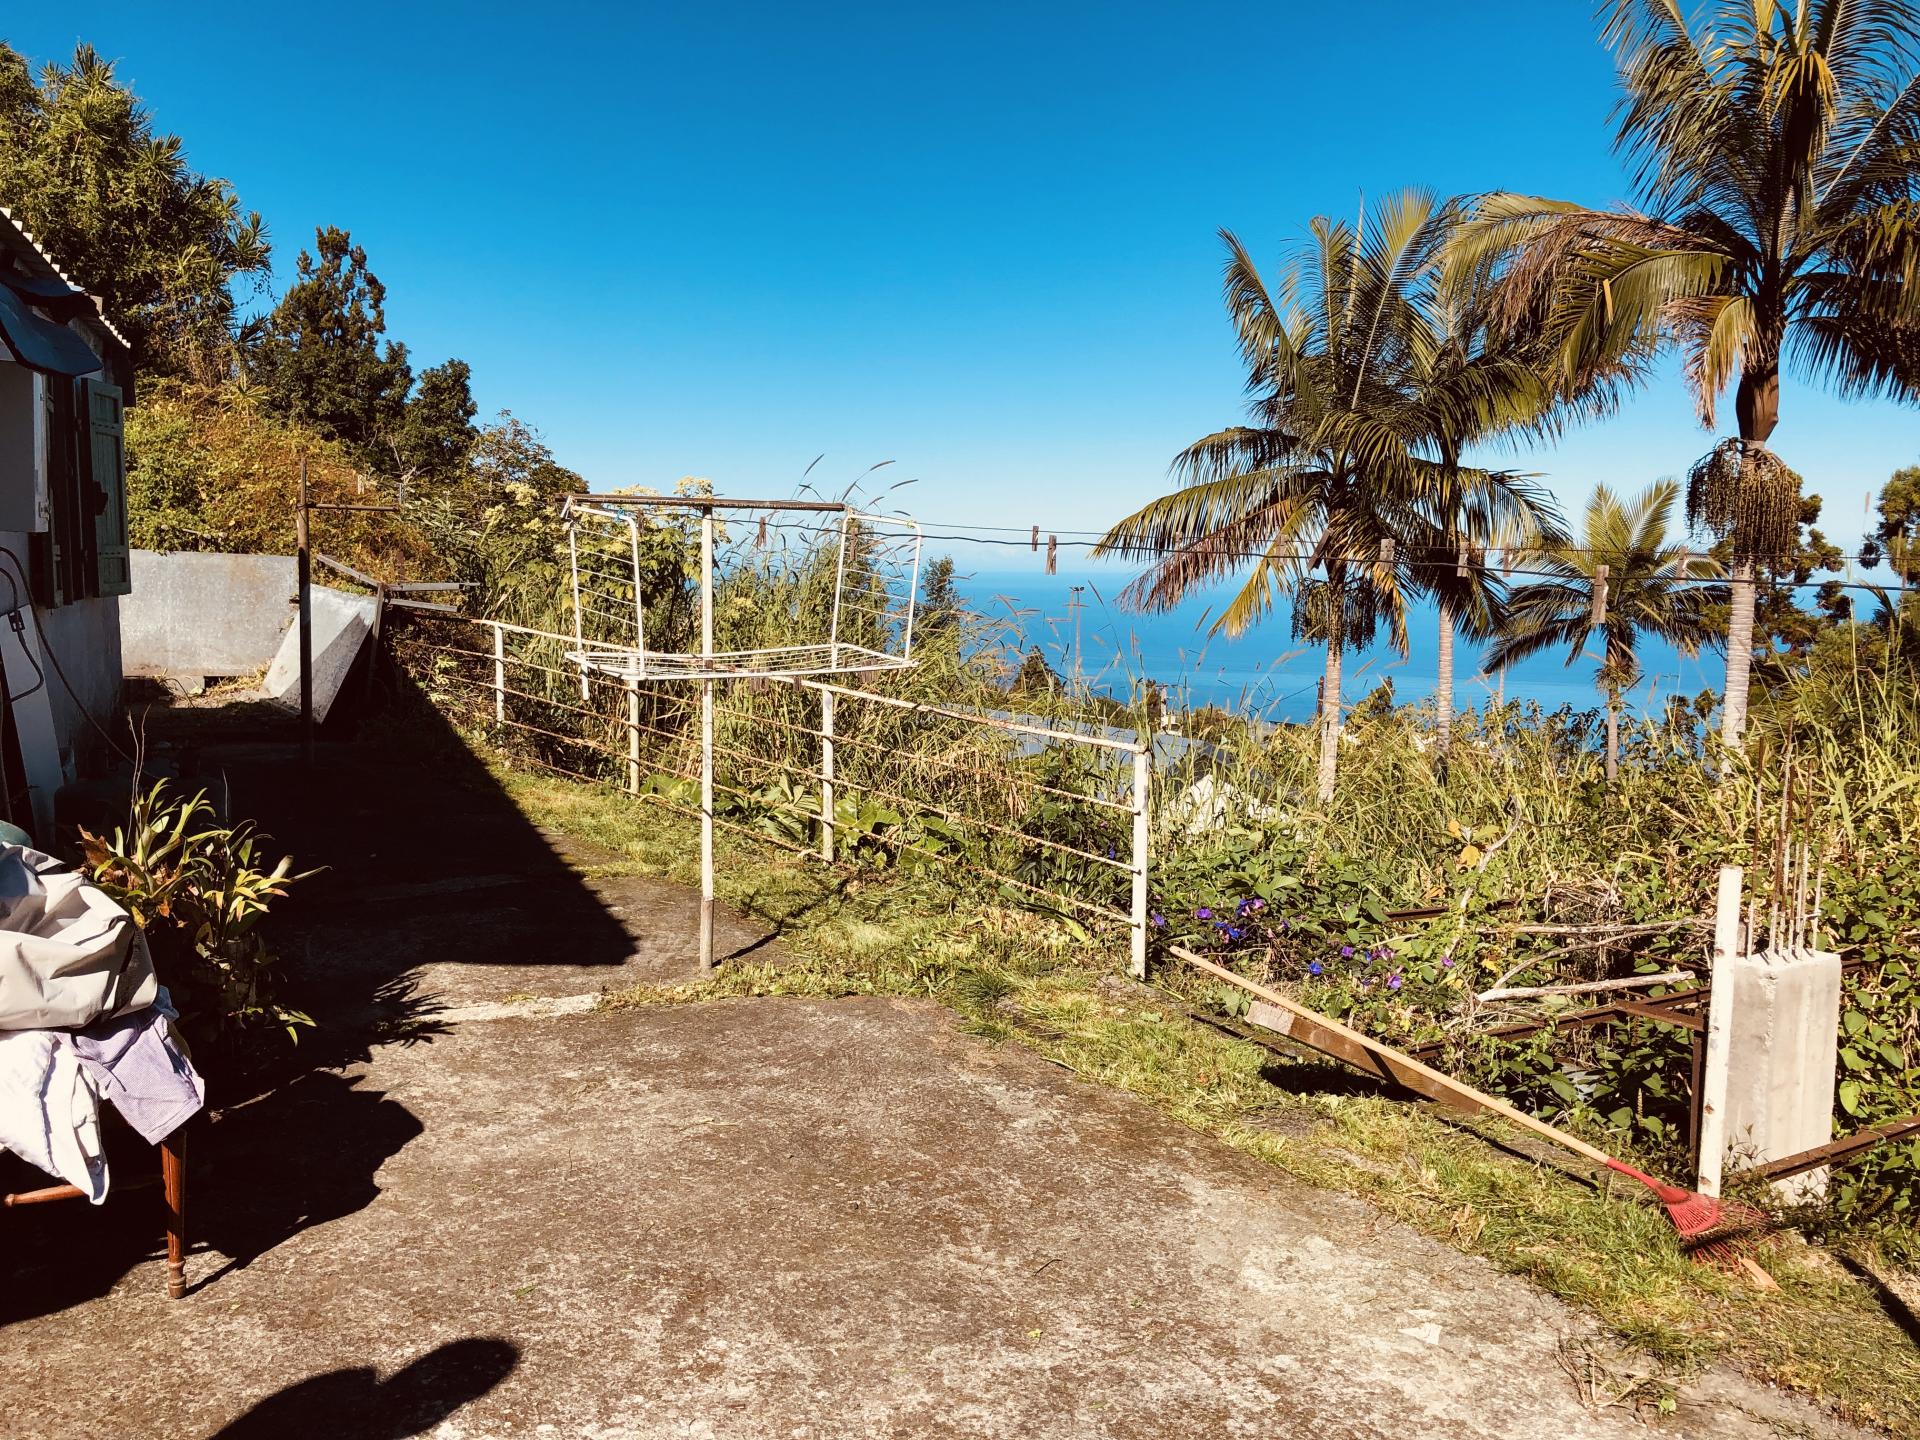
975	240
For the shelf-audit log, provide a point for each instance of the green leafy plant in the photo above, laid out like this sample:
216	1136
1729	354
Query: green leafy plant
199	891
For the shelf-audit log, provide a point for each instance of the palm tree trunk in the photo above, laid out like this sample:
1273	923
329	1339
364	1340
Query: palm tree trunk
1443	687
1613	734
1733	701
1330	719
1757	404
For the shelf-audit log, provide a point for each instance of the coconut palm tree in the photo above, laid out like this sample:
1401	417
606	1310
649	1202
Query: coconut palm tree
1363	399
1647	589
1775	149
1477	382
1302	500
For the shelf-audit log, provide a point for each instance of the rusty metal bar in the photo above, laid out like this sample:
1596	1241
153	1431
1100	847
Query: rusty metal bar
1837	1152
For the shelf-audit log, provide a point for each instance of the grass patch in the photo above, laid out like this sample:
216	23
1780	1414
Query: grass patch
1012	974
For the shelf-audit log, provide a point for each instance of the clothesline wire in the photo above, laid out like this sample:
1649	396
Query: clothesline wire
1404	561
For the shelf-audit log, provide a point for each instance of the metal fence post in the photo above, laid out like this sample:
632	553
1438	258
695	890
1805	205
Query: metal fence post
303	571
499	674
632	687
706	740
1142	784
826	776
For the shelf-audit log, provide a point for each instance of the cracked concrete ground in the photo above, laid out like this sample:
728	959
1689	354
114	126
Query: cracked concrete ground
794	1218
513	1217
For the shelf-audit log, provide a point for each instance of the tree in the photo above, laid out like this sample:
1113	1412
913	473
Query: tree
940	604
1774	149
1357	437
1035	675
499	530
318	357
1647	592
1896	536
120	210
436	436
1473	381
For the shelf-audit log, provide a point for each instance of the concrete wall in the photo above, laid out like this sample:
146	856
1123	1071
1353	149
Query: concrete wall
85	638
193	615
80	642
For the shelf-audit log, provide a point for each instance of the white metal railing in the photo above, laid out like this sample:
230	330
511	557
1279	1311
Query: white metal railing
611	725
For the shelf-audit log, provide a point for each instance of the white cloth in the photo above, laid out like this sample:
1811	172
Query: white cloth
49	1109
68	954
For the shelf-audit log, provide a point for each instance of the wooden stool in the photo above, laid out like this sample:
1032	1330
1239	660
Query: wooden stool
173	1184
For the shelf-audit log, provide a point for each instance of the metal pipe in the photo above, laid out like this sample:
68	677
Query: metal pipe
499	672
1142	783
705	503
303	568
826	776
913	596
839	581
639	607
1130	747
632	688
573	563
706	742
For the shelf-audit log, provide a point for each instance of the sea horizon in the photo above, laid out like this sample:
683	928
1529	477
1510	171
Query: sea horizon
1266	672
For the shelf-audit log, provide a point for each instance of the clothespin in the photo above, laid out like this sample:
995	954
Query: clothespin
1686	562
1599	596
1506	563
1053	554
760	538
1386	553
1036	539
1460	566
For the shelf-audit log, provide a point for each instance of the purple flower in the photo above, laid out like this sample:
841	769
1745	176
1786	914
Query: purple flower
1242	907
1203	913
1234	932
1316	968
1446	962
1346	952
1394	982
1379	952
1159	921
1257	903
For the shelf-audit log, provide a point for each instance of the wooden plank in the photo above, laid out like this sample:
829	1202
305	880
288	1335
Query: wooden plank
1330	1037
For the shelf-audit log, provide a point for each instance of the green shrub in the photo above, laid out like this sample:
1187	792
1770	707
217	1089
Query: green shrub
199	890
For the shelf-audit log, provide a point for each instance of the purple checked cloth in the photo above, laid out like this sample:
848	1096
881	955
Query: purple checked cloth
140	1064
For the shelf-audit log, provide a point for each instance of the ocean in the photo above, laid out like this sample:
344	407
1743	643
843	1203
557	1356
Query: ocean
1266	671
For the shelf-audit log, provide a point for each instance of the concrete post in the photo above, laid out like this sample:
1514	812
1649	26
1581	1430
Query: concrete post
1785	1047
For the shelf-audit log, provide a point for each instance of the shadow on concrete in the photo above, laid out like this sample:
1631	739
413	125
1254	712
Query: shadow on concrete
423	867
355	1404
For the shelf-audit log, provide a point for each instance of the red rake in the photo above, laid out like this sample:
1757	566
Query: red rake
1709	1229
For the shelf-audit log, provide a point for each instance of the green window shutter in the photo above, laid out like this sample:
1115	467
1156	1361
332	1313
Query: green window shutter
106	455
